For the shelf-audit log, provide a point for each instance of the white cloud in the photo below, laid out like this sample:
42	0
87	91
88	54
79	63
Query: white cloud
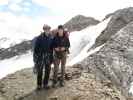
3	2
15	7
15	1
18	28
27	4
26	9
94	8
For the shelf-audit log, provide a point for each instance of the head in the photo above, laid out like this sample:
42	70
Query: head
60	30
46	29
54	32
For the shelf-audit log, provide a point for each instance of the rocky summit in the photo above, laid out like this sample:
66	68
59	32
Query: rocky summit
80	22
119	19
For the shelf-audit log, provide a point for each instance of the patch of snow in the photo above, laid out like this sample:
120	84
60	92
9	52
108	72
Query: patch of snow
86	37
84	54
14	64
131	89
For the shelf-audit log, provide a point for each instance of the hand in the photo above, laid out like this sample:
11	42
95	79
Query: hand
63	49
34	70
57	49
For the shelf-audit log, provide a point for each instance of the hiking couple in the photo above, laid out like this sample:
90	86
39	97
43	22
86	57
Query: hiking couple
50	49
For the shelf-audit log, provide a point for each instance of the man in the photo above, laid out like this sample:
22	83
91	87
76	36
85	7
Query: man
60	44
43	57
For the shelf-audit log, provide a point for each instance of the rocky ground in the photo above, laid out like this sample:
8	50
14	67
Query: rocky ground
80	85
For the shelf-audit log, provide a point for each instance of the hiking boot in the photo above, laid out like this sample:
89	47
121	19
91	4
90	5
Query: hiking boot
62	84
39	87
54	85
46	87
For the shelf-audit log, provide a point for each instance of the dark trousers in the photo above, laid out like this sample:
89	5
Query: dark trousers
40	74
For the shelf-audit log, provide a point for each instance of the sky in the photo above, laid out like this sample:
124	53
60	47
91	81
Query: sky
34	13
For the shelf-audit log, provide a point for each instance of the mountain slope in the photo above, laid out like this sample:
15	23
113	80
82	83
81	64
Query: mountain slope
120	19
80	22
114	59
86	37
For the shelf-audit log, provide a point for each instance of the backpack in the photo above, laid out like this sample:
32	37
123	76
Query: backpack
66	34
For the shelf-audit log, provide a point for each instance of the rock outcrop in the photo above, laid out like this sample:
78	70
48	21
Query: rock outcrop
16	50
114	60
80	22
119	20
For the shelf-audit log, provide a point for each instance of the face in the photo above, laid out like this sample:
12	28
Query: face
47	31
60	31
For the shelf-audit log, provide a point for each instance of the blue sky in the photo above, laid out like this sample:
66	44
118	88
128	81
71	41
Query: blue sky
25	7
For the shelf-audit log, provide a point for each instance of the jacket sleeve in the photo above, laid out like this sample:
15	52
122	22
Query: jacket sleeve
37	49
54	43
67	43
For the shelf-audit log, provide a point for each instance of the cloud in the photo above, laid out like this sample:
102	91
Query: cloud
15	1
27	4
94	8
15	7
4	2
24	24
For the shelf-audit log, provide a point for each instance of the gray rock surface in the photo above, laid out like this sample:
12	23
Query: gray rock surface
80	22
114	60
119	20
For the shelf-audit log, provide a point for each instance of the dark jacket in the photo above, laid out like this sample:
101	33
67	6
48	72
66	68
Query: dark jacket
43	51
61	42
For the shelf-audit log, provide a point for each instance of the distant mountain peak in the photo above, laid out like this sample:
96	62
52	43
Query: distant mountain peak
80	22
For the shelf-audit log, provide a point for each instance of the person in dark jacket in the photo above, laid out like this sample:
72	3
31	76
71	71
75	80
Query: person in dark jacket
61	44
43	57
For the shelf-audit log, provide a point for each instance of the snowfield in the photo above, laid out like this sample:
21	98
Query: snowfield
83	40
16	63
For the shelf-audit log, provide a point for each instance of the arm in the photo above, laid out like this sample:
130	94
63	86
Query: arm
66	45
37	51
37	46
55	45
